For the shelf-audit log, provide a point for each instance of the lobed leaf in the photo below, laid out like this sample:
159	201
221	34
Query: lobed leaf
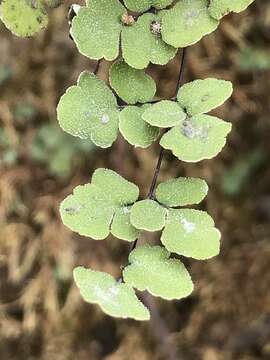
23	18
115	298
164	114
220	8
181	191
89	111
95	209
142	43
201	96
130	84
151	269
148	215
191	233
197	138
122	227
144	5
187	22
134	129
96	29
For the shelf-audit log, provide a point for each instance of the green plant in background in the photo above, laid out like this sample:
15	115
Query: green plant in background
57	150
133	34
26	17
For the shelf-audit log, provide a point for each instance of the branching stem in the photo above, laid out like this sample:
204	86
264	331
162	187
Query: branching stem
153	186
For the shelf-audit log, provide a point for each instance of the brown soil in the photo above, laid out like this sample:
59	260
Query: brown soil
41	313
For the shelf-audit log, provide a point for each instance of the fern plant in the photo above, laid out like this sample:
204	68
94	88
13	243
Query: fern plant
132	34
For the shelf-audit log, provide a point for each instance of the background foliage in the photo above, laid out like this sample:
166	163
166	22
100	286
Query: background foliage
218	320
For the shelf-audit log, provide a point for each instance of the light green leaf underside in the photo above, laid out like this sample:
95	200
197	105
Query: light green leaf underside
181	191
220	8
143	5
197	138
134	129
22	17
151	269
115	298
89	111
140	46
130	84
164	114
93	208
187	22
201	96
96	29
191	233
148	215
121	226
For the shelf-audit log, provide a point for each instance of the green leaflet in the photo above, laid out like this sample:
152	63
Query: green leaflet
115	298
164	114
186	232
134	129
220	8
97	29
200	96
194	136
148	215
187	22
181	191
89	111
100	207
151	269
23	17
143	5
131	85
197	138
121	226
142	43
191	233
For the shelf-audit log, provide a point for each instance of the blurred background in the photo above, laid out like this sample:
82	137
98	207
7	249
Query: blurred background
41	313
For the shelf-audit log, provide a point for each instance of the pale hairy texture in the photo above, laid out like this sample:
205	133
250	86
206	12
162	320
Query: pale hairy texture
219	8
22	17
115	298
152	269
103	205
134	129
131	85
187	22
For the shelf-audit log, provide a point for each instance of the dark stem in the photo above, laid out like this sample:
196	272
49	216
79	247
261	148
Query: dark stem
151	193
181	72
152	189
97	67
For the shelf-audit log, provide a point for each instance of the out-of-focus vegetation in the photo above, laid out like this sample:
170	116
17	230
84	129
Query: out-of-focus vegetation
41	313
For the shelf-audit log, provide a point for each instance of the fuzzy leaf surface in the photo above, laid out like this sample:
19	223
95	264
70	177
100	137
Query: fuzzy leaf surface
93	208
140	45
191	233
134	129
187	22
152	269
143	5
220	8
115	298
96	29
23	18
197	138
181	191
164	114
89	110
201	96
131	85
148	215
122	227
